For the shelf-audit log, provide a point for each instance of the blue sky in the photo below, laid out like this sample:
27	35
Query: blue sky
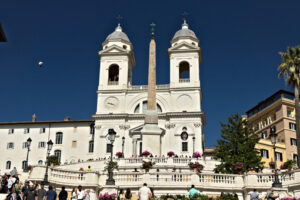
240	41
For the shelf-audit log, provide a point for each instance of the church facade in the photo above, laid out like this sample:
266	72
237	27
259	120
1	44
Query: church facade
121	106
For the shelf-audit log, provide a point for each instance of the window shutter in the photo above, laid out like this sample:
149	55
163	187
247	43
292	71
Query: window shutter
25	130
41	130
267	153
280	156
261	153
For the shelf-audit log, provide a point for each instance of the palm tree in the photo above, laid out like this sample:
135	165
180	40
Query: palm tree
290	69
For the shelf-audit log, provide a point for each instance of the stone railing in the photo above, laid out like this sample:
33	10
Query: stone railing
145	87
184	80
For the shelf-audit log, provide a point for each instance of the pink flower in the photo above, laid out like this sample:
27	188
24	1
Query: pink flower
197	155
146	153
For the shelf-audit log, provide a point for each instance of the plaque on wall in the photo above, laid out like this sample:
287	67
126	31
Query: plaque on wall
184	136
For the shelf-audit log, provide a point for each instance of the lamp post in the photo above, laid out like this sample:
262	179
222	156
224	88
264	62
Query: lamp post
194	144
123	142
29	140
112	135
273	136
49	147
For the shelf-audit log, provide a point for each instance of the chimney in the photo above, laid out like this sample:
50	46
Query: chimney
33	117
67	118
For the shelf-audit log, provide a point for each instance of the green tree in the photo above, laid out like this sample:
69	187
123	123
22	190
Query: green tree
290	70
236	150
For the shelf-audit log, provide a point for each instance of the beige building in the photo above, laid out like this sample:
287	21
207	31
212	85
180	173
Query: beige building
277	110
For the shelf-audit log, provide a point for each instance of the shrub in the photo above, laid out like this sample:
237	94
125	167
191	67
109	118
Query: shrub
119	154
112	167
289	164
238	167
197	155
196	165
171	153
146	153
53	159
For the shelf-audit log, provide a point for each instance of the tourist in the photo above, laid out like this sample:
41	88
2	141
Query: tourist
25	188
254	195
271	195
63	195
14	172
11	181
13	195
121	195
30	194
51	194
80	193
144	193
193	191
89	168
41	193
87	195
128	194
74	194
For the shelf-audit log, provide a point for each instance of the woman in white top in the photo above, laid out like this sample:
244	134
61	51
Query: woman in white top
74	194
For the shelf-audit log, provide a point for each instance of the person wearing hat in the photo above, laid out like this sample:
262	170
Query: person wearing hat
41	193
30	194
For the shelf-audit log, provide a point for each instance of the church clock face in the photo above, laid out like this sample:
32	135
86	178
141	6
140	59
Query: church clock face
112	103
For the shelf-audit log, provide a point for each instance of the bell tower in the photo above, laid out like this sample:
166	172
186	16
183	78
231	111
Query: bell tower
116	61
185	59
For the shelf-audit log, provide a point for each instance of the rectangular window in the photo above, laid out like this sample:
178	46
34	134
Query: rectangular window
278	156
265	122
42	145
91	146
264	153
256	127
42	130
293	142
184	146
273	117
26	130
264	135
292	126
295	158
10	145
24	145
74	144
11	131
108	148
289	112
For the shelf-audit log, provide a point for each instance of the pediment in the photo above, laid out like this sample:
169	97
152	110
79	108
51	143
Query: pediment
184	46
113	49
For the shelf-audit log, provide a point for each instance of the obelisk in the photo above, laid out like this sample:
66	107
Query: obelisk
151	133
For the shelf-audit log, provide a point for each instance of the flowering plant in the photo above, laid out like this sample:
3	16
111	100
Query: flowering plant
196	165
197	155
290	198
170	153
238	167
107	196
29	167
146	153
119	154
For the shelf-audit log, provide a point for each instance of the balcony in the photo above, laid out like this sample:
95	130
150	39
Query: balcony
113	82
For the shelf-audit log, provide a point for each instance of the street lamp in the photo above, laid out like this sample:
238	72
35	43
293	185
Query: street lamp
112	136
29	140
194	144
273	136
123	142
49	147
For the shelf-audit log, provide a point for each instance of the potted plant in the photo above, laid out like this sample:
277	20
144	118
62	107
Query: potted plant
197	155
145	153
238	167
107	196
53	160
170	153
147	165
289	164
29	167
272	164
119	154
196	166
113	166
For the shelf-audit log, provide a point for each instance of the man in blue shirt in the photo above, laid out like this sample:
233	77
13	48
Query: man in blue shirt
50	194
193	191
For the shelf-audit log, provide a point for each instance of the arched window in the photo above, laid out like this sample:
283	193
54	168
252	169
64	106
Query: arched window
184	139
40	162
144	108
59	138
113	75
23	164
57	153
184	72
8	164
